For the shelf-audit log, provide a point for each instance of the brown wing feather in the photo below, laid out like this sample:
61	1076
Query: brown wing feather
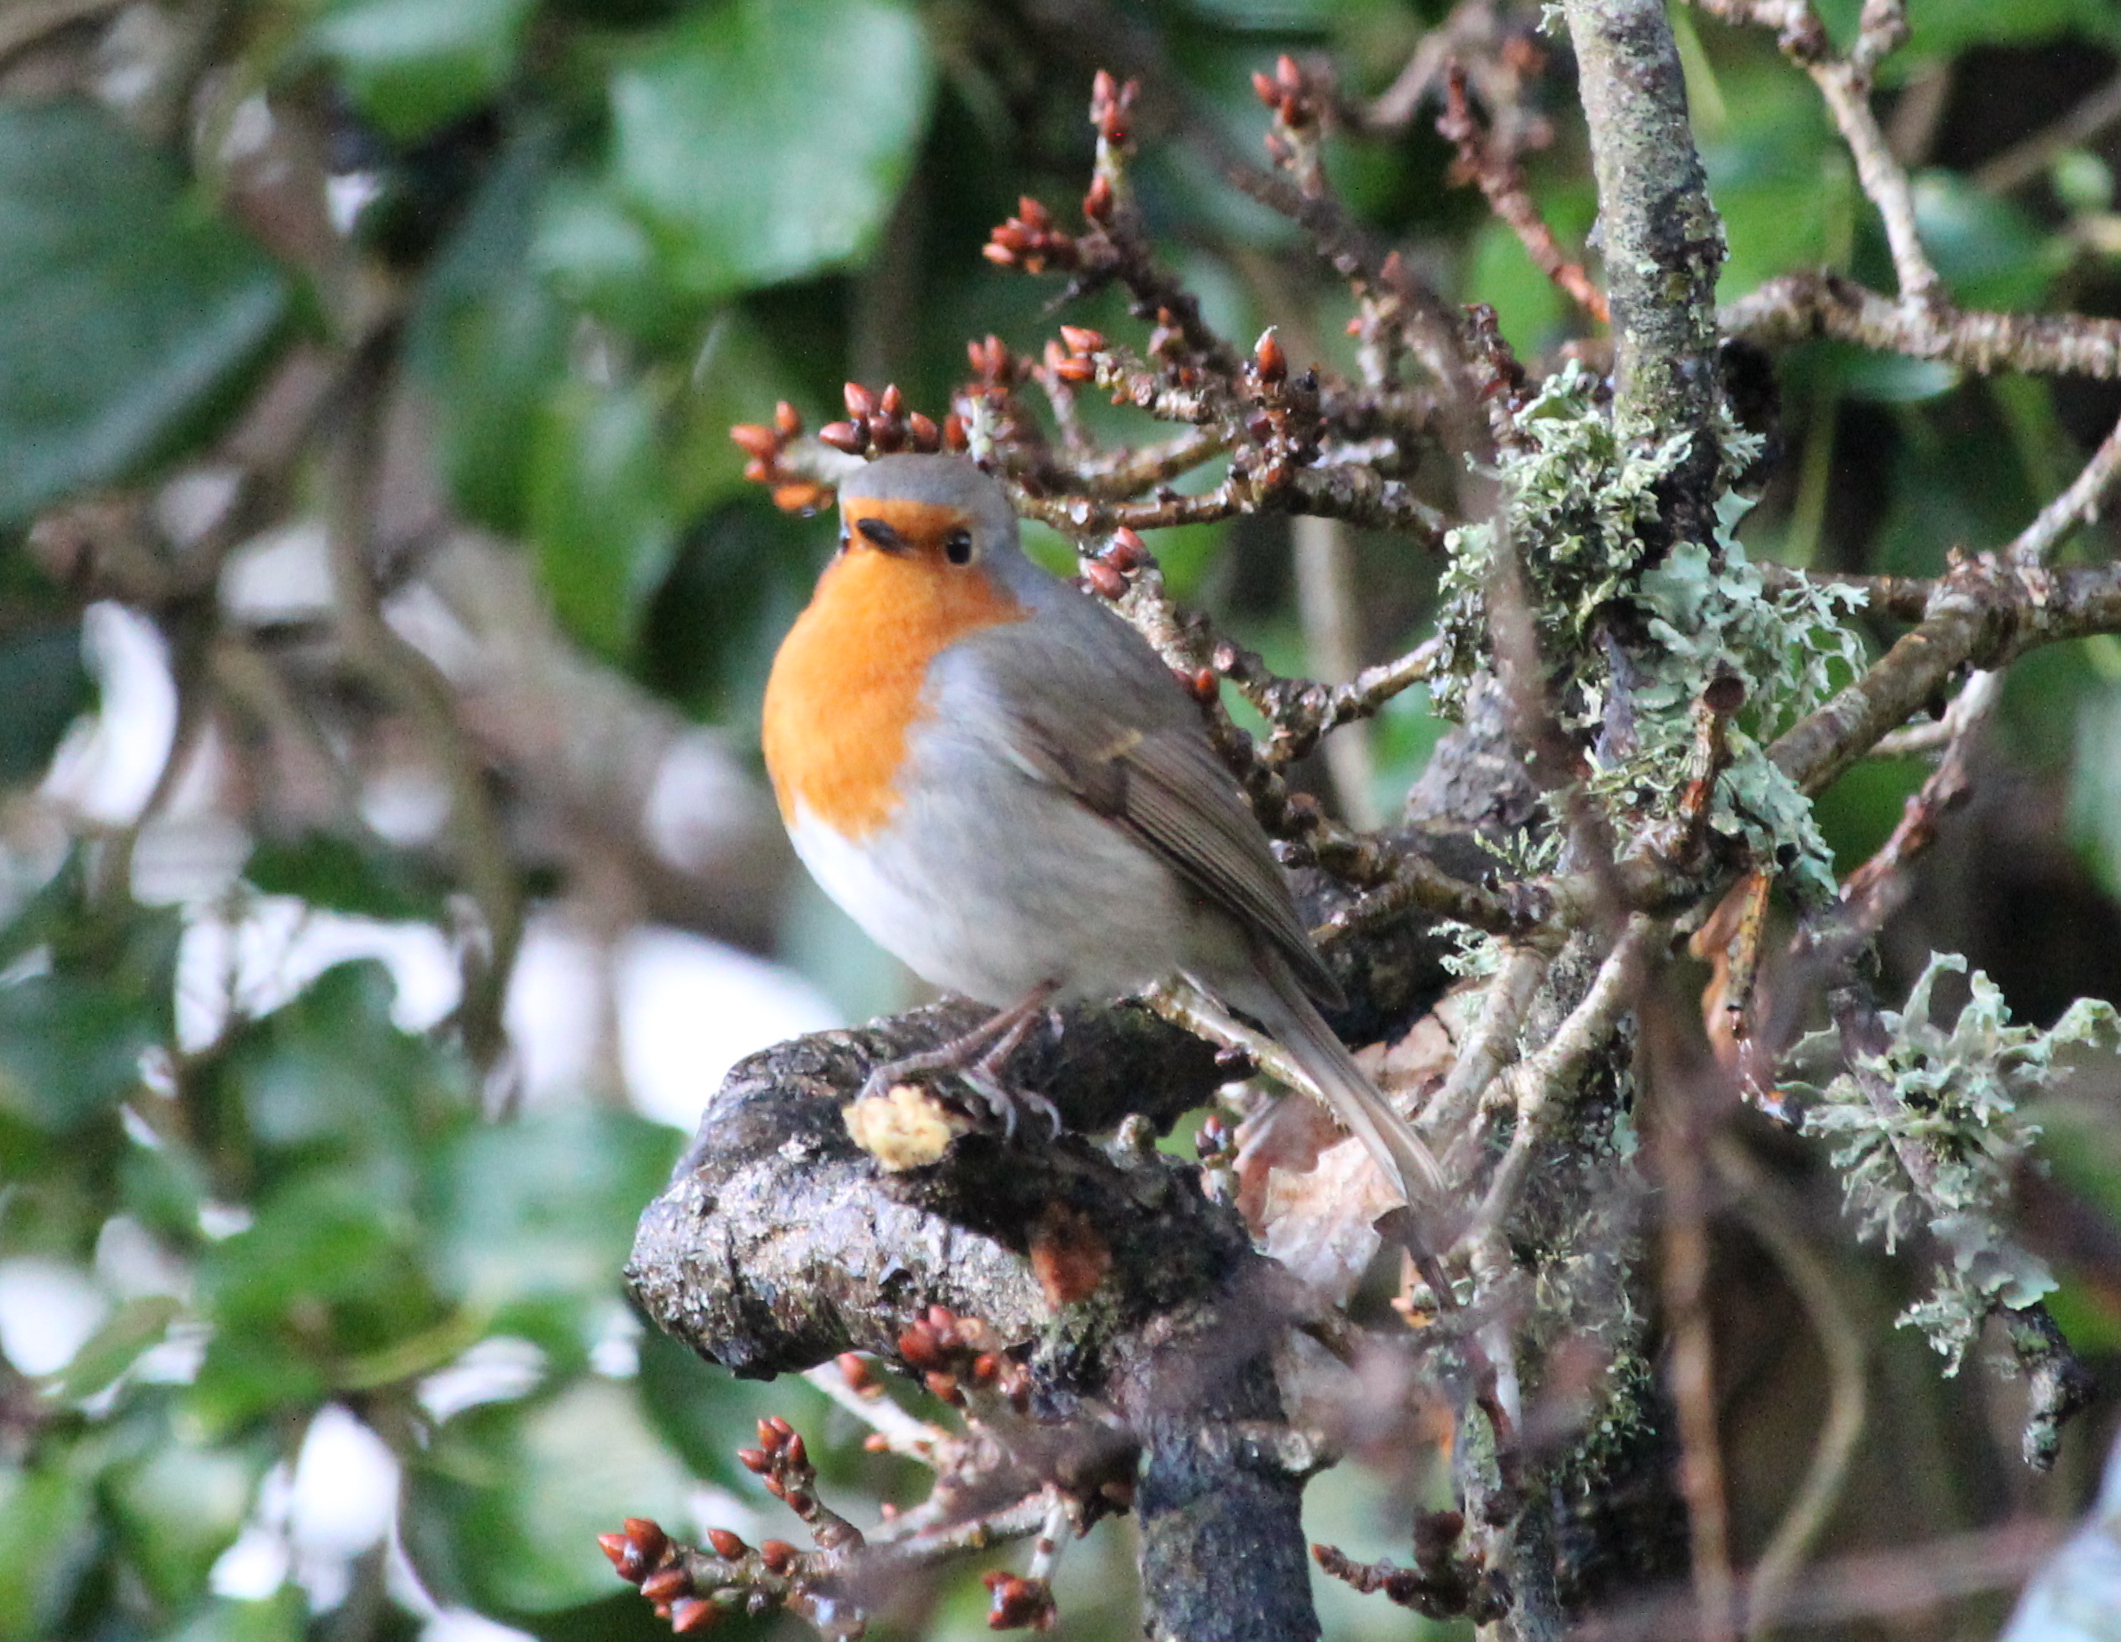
1167	787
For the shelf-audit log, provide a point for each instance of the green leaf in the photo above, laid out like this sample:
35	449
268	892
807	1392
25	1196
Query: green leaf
502	1510
1886	378
767	139
1987	250
129	318
536	1215
117	1344
1527	305
2094	815
488	342
599	256
69	1048
180	1508
47	1541
600	510
1944	28
412	64
331	1076
323	1282
281	1617
46	685
347	875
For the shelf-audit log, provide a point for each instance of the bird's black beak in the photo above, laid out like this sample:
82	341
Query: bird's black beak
880	535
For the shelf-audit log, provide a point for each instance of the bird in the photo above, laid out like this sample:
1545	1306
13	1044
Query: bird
1004	785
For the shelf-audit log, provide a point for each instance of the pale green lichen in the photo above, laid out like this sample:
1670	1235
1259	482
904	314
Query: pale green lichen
1712	616
1956	1095
1523	855
1577	499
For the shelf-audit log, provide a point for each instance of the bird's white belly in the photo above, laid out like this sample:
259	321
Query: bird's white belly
992	900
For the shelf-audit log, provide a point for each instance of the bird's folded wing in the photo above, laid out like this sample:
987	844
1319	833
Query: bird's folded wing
1167	787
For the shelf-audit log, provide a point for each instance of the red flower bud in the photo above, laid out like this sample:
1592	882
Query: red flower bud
802	497
944	1386
1268	358
1106	581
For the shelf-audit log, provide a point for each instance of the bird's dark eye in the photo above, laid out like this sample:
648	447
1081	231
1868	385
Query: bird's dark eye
958	546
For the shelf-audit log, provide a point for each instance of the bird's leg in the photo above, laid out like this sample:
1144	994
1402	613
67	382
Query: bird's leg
979	1057
984	1076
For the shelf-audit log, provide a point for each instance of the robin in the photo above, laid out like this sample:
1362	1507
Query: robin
1002	783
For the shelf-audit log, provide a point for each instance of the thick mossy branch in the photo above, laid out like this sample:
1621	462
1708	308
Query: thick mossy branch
1662	240
1137	1305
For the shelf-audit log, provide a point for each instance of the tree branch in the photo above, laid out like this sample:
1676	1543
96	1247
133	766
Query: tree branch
779	1245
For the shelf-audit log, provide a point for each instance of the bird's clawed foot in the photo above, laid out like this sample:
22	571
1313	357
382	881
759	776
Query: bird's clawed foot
980	1059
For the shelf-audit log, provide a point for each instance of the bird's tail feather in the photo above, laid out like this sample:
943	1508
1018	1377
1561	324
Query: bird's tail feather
1292	1020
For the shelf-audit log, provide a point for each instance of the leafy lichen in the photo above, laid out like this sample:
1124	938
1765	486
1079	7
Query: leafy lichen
1711	616
1951	1098
1577	501
1577	498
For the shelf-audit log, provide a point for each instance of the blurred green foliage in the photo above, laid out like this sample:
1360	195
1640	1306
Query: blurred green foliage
613	229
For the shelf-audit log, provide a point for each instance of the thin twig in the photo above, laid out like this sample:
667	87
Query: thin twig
1501	181
2020	163
1874	891
1678	1137
1540	1083
902	1432
1416	883
1758	1201
1845	87
1182	1005
2079	503
1326	605
1793	307
412	681
1492	1041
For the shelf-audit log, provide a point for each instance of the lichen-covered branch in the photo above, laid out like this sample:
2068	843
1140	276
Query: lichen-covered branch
1662	241
1980	615
1798	306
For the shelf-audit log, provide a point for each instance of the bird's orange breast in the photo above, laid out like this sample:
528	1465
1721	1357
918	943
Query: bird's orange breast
845	691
